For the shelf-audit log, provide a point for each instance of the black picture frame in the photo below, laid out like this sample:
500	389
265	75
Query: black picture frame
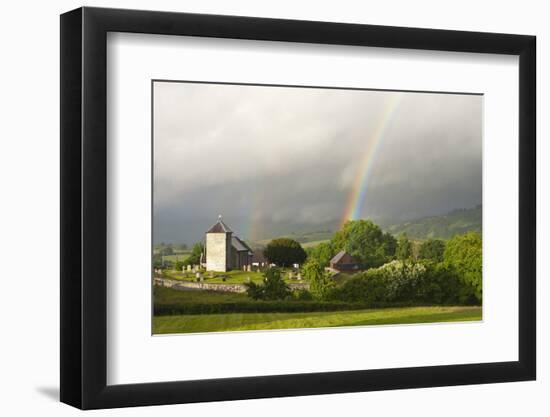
84	207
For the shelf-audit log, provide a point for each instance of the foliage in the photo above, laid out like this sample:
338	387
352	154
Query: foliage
404	248
320	281
365	241
196	253
284	252
398	282
442	285
389	243
464	254
322	253
302	295
432	250
273	287
157	260
168	301
178	265
401	279
167	250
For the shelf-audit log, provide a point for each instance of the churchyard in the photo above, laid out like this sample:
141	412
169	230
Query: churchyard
362	276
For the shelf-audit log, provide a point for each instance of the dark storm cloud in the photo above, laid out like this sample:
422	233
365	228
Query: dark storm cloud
276	158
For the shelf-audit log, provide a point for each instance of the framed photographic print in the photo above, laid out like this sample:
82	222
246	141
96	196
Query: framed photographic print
258	207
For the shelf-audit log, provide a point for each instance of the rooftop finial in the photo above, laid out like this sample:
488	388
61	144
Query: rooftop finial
219	217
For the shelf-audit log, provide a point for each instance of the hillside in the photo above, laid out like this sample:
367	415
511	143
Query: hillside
442	227
306	238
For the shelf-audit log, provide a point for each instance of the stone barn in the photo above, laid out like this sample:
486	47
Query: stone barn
224	250
344	262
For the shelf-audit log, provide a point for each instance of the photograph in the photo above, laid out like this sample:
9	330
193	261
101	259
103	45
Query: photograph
282	207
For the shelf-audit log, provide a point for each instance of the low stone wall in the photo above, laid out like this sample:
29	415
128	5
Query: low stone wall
199	286
204	286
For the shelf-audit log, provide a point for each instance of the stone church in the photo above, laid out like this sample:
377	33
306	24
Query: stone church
224	250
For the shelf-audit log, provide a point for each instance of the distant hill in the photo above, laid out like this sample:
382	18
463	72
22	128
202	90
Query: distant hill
306	238
441	227
437	227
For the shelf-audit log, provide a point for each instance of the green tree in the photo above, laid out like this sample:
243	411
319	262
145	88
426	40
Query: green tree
195	257
322	253
157	260
178	265
273	287
167	250
363	240
284	252
432	250
464	253
404	248
320	281
389	243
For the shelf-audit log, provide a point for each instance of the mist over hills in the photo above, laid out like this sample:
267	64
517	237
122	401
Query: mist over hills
440	227
444	226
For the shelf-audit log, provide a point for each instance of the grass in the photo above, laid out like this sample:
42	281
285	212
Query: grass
170	296
313	243
182	256
268	321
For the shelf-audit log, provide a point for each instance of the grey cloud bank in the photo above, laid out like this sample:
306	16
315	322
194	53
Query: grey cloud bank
277	159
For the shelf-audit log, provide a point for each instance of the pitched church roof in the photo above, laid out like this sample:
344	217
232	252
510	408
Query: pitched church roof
219	227
239	245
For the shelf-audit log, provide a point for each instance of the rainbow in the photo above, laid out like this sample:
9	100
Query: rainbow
356	197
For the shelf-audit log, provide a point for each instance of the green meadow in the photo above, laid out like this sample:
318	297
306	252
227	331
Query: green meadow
268	321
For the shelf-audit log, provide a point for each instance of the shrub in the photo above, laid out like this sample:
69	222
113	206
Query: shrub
401	279
320	282
280	306
273	287
368	287
302	295
407	282
432	250
464	254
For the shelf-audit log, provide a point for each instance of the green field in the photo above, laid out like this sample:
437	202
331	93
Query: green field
170	296
269	321
313	243
182	256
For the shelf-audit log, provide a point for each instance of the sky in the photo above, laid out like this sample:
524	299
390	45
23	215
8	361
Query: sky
272	160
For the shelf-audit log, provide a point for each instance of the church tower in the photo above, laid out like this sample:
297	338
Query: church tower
218	247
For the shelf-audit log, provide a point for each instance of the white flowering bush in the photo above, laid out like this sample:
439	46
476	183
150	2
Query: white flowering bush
401	278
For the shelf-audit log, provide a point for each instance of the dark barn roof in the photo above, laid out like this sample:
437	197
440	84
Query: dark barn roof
343	258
